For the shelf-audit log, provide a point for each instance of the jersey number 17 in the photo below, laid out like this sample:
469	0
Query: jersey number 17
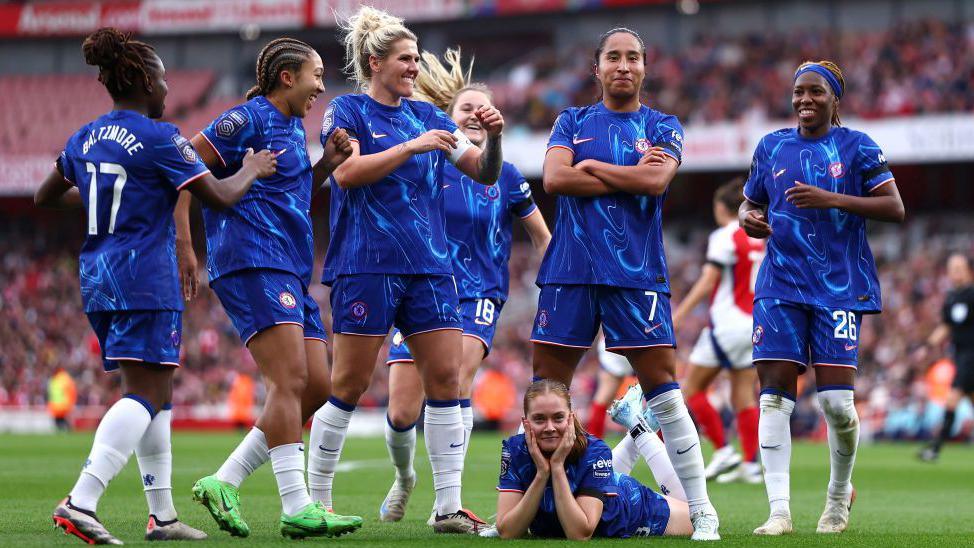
106	168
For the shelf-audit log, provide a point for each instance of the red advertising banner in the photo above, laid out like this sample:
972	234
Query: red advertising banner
178	16
66	18
325	11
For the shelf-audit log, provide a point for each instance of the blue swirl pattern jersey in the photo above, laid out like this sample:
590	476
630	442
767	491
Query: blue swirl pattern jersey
628	508
818	257
129	170
616	239
478	229
270	227
396	225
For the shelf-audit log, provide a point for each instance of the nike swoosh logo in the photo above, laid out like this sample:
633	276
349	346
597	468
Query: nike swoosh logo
378	135
651	329
776	175
323	448
580	141
223	502
678	452
841	454
456	444
446	186
850	347
763	446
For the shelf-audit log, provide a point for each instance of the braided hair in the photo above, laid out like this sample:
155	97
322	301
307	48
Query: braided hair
121	61
277	56
832	67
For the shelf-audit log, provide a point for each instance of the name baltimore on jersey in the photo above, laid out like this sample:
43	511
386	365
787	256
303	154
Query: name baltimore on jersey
128	140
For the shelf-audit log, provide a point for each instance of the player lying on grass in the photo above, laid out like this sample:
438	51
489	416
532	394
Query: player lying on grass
556	480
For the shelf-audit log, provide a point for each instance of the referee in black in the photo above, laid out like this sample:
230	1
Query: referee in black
957	321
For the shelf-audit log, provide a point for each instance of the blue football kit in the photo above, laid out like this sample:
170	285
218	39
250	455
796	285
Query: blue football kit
388	260
129	170
605	264
261	251
479	222
819	276
628	507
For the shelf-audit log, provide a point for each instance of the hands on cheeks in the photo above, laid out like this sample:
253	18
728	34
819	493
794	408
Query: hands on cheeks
540	461
491	119
567	442
805	196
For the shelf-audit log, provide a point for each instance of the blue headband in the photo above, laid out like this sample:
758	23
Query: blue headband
825	73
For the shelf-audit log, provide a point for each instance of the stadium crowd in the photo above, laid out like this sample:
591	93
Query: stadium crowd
43	326
914	67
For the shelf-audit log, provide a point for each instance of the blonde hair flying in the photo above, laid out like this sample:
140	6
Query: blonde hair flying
441	85
369	32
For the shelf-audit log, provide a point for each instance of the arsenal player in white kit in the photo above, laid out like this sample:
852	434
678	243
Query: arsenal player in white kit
727	278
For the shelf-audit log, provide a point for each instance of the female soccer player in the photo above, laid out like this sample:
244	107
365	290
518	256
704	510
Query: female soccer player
611	164
126	169
478	231
388	261
260	262
558	481
727	279
810	191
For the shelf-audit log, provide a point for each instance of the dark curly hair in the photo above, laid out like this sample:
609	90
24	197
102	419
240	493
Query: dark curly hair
121	61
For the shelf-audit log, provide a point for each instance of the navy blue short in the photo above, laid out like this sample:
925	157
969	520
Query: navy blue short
151	336
805	334
256	299
656	513
570	315
370	304
479	318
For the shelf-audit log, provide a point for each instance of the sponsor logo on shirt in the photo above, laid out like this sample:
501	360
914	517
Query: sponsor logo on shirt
577	141
287	299
602	468
185	149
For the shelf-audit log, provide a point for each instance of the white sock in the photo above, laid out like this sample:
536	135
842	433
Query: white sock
839	407
288	464
624	455
328	430
444	443
466	414
247	457
402	448
651	449
115	439
154	453
682	442
774	438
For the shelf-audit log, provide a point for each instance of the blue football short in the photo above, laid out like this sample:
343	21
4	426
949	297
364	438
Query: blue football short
256	299
370	304
570	315
479	318
805	334
151	336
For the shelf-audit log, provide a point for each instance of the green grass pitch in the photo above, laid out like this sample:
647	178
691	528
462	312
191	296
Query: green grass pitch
901	502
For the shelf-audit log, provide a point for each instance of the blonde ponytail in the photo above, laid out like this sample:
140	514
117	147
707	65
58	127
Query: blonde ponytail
369	32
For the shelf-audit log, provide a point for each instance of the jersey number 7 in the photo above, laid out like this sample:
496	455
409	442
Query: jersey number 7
121	176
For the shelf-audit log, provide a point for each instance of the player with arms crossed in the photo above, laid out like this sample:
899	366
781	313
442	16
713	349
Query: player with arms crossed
611	164
558	481
126	170
260	261
728	279
388	261
810	191
957	323
478	230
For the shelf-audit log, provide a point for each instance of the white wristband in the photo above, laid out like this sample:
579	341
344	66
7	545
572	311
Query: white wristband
463	144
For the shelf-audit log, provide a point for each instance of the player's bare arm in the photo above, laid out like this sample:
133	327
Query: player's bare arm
561	178
882	204
650	178
57	193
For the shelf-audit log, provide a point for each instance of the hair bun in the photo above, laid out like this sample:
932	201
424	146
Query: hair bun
103	47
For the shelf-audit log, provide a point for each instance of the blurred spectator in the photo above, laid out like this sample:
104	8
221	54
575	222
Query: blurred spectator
61	397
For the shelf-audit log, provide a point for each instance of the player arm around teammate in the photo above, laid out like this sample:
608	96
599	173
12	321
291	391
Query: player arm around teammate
823	180
558	481
128	169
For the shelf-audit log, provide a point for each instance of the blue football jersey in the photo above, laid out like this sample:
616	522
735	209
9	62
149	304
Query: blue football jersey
626	505
818	257
478	229
129	170
616	239
270	227
396	225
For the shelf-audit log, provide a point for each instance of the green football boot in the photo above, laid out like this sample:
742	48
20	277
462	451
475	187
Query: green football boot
316	521
223	502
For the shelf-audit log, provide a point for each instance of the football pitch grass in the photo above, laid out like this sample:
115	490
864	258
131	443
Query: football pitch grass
901	502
